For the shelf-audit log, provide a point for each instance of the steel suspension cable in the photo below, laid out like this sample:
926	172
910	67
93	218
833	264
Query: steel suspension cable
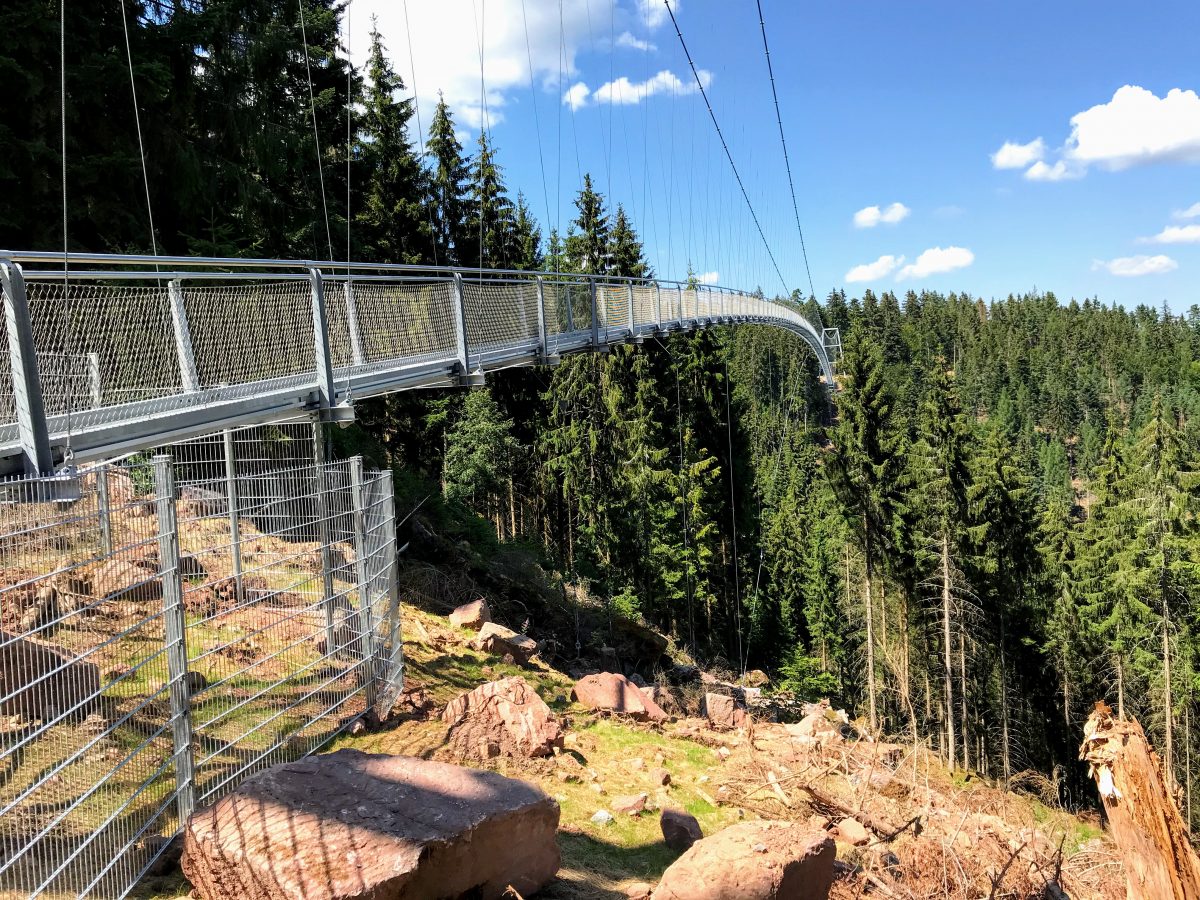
724	145
537	123
786	161
412	68
68	323
312	105
137	120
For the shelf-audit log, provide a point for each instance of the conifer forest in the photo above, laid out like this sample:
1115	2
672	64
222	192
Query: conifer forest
988	527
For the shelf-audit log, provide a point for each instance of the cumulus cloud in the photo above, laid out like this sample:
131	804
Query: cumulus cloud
654	12
1192	212
937	260
1018	156
622	91
881	268
1176	234
445	51
1128	266
634	43
1060	171
576	95
709	277
870	216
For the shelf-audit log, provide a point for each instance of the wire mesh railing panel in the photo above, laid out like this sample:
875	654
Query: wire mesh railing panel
500	315
555	302
250	331
338	318
688	303
123	331
88	791
613	299
8	406
580	298
409	320
645	305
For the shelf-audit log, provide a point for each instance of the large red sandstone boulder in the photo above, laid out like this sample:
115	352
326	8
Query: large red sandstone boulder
497	639
753	861
615	693
356	825
724	711
472	615
39	680
120	579
502	718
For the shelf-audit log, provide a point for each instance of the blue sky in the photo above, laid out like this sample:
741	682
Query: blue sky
901	106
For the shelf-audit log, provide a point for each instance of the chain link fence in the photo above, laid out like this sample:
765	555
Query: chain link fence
170	624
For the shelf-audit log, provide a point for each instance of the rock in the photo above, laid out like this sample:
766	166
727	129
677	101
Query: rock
723	711
602	817
660	775
201	503
497	639
196	682
40	680
191	567
119	579
724	753
756	678
851	831
631	805
615	693
353	825
637	764
680	829
639	890
473	615
753	861
504	717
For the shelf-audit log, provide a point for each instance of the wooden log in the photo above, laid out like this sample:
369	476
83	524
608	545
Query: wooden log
1143	819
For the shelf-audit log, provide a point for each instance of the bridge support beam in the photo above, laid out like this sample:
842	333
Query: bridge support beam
188	377
32	430
545	357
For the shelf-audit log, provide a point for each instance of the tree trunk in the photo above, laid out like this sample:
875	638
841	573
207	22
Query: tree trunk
1004	750
1142	817
874	717
1168	709
1120	687
948	667
962	695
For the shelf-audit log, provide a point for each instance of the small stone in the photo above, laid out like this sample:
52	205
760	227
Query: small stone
472	615
631	805
598	789
639	890
602	817
660	776
759	848
724	753
680	829
637	764
851	831
358	728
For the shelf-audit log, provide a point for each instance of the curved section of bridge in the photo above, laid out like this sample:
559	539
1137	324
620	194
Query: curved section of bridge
120	353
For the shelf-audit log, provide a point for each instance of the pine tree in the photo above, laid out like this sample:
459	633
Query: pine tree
448	188
490	225
587	245
480	455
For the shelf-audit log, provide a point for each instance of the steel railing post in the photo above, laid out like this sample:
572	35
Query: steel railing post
460	327
365	618
541	309
595	314
32	429
657	306
326	389
629	287
94	386
175	633
321	486
356	349
188	376
103	509
231	499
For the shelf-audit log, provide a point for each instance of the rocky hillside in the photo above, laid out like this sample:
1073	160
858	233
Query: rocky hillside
903	826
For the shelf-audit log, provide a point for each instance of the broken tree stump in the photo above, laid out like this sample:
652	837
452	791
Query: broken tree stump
1142	817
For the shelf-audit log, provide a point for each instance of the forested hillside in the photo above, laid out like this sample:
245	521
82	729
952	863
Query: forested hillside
989	527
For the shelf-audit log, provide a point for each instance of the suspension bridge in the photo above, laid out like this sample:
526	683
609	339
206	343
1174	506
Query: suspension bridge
110	354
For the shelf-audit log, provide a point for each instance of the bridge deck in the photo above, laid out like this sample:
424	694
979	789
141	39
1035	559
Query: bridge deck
127	352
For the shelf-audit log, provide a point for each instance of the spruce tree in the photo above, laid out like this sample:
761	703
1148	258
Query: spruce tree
448	188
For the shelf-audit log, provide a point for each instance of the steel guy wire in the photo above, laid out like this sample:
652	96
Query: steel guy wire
312	105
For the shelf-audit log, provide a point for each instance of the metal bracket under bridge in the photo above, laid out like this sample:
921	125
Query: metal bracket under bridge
109	354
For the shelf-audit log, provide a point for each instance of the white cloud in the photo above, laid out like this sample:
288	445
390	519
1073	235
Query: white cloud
576	95
622	91
881	268
1175	234
1060	171
1192	212
446	52
937	260
870	216
634	43
1127	266
1018	156
1137	127
654	12
709	277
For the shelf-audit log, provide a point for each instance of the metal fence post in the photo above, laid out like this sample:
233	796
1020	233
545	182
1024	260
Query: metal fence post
320	474
231	499
541	308
103	509
394	677
460	326
356	349
595	315
175	631
32	430
366	618
188	375
657	306
326	389
94	385
629	287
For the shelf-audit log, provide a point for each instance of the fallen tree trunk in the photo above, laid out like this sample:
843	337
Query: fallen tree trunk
1142	816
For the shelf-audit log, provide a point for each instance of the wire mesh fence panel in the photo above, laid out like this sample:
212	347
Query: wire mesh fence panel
614	300
413	320
338	317
645	305
580	299
8	407
124	330
500	315
688	303
89	780
555	304
251	331
159	644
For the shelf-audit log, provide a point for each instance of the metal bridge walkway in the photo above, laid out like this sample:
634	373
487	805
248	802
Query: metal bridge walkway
127	352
